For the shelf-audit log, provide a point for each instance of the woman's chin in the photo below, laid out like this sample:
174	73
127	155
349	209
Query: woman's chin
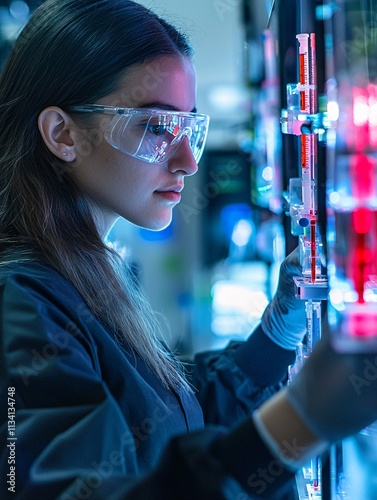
157	225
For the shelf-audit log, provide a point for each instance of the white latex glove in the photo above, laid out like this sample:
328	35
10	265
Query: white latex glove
284	319
335	394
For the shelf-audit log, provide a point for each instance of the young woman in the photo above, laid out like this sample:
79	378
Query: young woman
98	121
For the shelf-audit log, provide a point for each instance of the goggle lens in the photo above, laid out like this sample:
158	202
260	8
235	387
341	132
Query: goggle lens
153	136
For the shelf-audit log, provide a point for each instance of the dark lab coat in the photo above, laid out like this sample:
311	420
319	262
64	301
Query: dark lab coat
91	419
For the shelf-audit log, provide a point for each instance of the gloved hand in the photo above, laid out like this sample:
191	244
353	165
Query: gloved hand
335	394
284	319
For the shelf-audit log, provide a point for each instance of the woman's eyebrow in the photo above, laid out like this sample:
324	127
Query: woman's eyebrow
167	107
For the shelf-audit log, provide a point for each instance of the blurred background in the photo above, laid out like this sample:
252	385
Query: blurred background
211	273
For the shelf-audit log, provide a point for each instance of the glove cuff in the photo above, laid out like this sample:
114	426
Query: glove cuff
282	326
286	432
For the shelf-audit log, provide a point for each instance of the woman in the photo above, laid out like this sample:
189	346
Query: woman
98	121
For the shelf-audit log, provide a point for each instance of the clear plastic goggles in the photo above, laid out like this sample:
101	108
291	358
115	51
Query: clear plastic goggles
151	135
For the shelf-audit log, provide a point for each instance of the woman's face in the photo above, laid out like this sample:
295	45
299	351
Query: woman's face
120	185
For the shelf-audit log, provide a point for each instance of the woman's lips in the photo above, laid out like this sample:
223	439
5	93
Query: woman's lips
171	193
173	196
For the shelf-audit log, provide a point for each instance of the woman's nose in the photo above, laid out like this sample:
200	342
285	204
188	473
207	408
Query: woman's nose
183	159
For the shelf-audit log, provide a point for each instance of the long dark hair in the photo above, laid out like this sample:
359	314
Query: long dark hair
74	52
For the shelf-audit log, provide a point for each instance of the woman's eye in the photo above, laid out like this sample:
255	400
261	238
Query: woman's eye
157	129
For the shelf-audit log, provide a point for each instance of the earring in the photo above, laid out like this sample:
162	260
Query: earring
65	154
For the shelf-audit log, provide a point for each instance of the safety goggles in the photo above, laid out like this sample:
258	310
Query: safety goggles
151	135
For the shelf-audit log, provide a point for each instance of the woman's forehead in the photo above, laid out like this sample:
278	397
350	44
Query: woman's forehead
166	81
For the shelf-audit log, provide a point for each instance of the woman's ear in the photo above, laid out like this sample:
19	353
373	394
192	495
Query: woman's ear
56	129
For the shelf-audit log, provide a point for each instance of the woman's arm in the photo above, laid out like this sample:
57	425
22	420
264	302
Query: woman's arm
234	382
332	397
